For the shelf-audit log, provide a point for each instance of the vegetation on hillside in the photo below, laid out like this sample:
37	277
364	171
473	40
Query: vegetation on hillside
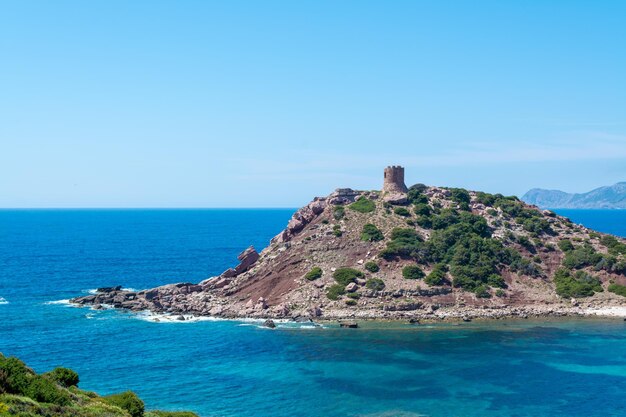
460	244
363	205
24	393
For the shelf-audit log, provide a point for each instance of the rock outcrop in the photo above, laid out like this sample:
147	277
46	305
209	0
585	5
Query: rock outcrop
247	258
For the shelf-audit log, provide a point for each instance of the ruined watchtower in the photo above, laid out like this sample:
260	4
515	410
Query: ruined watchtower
394	180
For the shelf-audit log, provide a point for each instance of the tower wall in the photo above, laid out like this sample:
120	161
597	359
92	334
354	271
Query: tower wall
394	180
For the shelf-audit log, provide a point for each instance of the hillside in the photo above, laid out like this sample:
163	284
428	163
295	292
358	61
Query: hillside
609	197
423	252
56	394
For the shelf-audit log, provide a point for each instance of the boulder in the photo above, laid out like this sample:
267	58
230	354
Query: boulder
349	324
269	323
351	287
260	304
247	258
395	198
343	196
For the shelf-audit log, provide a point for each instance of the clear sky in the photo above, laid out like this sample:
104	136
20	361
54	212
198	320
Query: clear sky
269	103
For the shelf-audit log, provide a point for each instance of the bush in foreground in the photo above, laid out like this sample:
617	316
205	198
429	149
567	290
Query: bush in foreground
128	401
64	376
24	393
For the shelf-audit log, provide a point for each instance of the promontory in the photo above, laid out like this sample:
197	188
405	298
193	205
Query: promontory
419	252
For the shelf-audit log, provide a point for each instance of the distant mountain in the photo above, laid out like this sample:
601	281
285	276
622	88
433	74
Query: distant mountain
609	197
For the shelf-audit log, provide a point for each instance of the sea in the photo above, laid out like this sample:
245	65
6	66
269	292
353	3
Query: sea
567	367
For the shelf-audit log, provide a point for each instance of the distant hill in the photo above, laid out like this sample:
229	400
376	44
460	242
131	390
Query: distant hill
609	197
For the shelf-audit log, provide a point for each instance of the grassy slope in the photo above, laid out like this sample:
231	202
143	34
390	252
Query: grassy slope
26	394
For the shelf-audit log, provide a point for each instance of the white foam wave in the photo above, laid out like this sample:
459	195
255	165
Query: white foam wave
3	301
65	302
190	318
172	318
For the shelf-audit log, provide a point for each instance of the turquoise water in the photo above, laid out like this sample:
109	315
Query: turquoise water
225	368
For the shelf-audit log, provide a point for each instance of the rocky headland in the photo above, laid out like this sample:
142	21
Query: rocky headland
418	253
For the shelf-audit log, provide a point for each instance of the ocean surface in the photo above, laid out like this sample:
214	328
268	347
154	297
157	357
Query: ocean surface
230	368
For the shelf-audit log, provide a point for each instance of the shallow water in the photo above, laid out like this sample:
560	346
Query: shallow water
226	368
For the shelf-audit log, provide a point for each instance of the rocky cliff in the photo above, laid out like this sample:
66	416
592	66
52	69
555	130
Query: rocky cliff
430	252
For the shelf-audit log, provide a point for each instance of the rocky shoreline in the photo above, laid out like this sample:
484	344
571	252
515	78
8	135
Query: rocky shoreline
115	297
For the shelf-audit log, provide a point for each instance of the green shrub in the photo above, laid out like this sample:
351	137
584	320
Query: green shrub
375	284
500	292
580	284
335	291
614	246
372	266
618	289
482	291
363	205
344	276
314	273
581	257
402	211
459	195
403	243
485	198
424	221
128	401
371	233
422	209
446	218
565	245
350	302
64	376
44	390
526	243
619	267
17	375
537	225
339	212
337	230
353	295
412	272
414	195
437	276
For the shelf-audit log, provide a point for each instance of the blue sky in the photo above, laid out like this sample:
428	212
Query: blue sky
267	104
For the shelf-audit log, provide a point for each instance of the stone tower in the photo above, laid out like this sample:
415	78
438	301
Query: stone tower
394	180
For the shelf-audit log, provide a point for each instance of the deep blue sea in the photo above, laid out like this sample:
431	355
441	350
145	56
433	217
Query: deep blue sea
228	368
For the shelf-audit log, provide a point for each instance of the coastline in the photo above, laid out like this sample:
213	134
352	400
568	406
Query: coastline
439	316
